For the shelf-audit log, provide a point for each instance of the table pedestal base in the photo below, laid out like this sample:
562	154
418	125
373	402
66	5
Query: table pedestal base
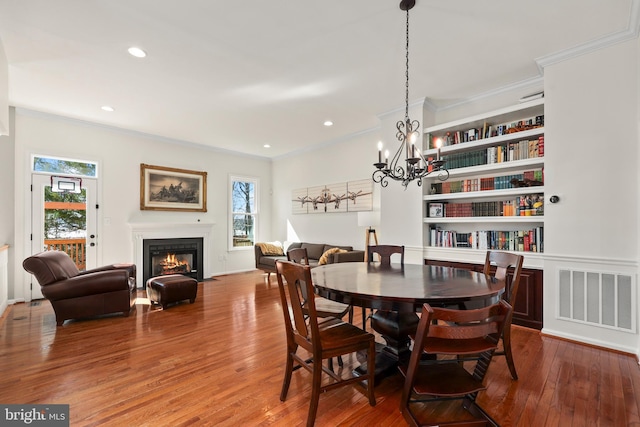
395	328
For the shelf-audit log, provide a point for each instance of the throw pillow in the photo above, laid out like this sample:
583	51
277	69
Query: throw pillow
325	256
270	249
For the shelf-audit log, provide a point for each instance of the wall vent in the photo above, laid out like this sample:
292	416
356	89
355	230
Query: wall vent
597	298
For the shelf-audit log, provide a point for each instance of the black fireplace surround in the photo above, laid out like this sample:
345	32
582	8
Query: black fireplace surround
172	256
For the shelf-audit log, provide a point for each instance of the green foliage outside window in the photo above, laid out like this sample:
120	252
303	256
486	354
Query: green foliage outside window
67	167
64	223
243	199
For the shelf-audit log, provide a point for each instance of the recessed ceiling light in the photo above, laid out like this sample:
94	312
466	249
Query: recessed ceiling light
107	108
328	123
137	52
266	146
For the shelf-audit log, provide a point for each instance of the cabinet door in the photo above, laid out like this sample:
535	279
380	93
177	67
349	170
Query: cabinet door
528	308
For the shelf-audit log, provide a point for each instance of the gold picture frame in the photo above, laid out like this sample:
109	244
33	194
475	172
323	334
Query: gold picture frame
172	189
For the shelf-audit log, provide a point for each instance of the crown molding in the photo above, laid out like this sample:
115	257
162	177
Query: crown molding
630	33
537	81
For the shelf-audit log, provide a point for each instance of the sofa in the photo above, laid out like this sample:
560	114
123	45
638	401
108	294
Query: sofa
268	253
78	294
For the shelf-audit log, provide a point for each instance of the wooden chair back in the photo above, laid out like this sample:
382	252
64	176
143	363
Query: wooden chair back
324	307
300	317
505	262
385	252
298	255
443	339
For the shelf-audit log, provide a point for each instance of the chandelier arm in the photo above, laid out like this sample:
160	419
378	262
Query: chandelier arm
379	177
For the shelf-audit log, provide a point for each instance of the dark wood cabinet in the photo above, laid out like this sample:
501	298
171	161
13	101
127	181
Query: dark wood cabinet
528	309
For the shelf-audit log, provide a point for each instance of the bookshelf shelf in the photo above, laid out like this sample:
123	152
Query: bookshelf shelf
484	147
497	168
511	192
535	219
486	142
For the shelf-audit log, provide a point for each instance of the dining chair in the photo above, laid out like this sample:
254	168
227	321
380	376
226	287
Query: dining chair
385	252
324	307
504	263
323	338
434	373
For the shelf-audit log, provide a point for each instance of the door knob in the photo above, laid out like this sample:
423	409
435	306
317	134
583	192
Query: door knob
92	244
93	236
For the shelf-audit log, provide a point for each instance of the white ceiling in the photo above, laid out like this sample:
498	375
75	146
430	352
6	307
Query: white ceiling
239	74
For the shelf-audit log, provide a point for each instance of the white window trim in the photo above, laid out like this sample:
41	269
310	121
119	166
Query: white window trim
256	183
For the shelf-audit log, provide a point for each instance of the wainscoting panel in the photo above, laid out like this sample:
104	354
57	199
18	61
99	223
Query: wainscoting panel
599	298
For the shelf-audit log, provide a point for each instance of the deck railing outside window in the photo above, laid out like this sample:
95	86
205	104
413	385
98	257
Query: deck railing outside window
75	248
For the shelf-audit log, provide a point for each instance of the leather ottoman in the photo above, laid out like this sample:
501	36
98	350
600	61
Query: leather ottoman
171	288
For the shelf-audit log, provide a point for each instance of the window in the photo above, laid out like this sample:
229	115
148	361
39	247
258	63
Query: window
56	165
244	210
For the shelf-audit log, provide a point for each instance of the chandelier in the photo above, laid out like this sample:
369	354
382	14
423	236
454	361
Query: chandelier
408	163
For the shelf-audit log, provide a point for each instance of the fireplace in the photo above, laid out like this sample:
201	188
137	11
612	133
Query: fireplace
172	256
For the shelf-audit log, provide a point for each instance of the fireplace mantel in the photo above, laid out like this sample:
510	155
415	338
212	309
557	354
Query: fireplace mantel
167	230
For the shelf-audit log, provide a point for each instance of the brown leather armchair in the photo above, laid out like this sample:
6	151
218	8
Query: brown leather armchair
78	294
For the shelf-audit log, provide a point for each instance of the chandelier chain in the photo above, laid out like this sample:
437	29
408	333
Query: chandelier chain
406	96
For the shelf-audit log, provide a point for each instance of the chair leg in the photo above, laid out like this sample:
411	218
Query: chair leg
351	315
482	417
364	319
288	370
506	342
315	394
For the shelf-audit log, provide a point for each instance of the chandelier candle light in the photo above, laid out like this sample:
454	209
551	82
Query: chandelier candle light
416	165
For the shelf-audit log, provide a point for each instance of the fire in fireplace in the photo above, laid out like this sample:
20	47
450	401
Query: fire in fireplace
172	256
171	264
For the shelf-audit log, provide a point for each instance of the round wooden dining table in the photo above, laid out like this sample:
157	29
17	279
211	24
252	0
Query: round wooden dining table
398	292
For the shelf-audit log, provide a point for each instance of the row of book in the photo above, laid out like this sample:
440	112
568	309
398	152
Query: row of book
531	240
528	205
489	183
525	149
486	131
491	155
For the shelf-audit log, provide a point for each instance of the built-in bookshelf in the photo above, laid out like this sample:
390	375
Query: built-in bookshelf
494	197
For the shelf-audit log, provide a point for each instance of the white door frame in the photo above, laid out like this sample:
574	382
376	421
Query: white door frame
38	182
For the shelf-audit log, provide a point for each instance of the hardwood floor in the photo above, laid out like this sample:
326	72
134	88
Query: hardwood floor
219	362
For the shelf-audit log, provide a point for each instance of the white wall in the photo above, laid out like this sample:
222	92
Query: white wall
591	150
119	155
6	197
348	160
4	92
